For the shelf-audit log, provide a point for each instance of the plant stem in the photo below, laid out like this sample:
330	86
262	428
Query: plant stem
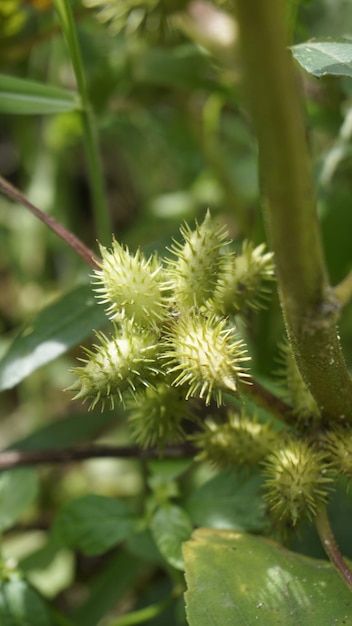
76	244
330	546
95	172
263	398
19	458
291	18
343	291
309	306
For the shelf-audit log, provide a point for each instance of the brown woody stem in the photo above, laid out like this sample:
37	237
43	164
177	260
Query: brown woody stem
17	458
263	398
76	244
330	546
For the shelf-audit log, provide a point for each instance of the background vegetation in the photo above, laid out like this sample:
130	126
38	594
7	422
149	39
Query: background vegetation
158	85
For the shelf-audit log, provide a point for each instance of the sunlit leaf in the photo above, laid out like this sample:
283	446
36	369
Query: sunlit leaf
322	58
56	328
240	579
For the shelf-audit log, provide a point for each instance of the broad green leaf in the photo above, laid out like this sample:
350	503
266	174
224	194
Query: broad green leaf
56	328
323	58
74	429
26	97
21	605
170	527
18	489
228	501
142	545
112	582
93	524
240	579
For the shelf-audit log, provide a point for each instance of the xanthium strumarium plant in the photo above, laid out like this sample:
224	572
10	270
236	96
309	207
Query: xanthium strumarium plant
175	351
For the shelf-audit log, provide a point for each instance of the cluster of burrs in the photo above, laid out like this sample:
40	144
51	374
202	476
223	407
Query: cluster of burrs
174	334
175	345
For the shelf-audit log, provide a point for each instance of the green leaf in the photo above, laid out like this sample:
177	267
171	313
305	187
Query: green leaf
142	545
323	58
56	328
93	524
26	97
112	582
240	579
18	489
228	501
76	428
20	605
170	527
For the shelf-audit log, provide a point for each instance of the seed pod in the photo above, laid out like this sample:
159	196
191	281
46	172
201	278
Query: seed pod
117	367
193	274
338	444
206	355
132	286
297	481
240	441
156	415
244	282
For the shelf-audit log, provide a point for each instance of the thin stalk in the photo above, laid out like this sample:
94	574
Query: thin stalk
95	172
309	306
18	458
263	398
76	244
330	546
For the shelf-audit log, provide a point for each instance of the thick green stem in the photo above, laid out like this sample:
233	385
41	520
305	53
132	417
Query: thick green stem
330	546
95	172
309	306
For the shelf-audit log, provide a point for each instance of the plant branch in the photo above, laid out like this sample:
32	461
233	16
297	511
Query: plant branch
100	208
263	398
76	244
330	546
18	458
309	306
343	291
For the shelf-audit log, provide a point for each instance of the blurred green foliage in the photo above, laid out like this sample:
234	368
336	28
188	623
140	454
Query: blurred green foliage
176	138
